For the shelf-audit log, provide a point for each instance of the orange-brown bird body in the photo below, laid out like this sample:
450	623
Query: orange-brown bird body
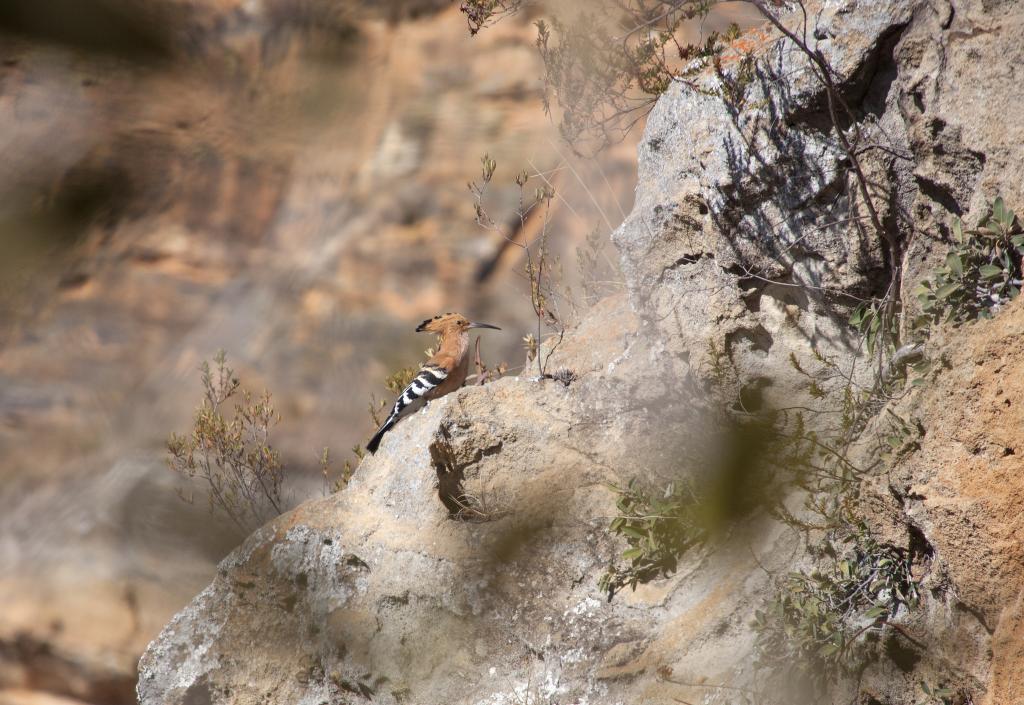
442	374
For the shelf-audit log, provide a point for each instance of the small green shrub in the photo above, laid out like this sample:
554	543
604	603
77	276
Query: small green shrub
815	621
818	625
871	323
981	273
658	531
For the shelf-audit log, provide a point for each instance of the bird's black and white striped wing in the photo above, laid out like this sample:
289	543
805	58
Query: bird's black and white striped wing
429	377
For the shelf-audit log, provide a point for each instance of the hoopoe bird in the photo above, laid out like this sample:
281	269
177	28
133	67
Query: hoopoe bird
443	373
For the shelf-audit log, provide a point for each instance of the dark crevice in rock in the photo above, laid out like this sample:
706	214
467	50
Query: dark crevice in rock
688	259
73	280
948	170
864	90
918	98
881	72
451	475
756	338
918	545
901	652
881	75
685	260
391	601
354	561
948	22
939	193
449	472
892	222
751	291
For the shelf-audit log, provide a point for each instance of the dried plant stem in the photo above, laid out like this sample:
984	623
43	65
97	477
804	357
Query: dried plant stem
542	296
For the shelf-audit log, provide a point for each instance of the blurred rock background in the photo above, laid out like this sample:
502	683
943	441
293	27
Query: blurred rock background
281	179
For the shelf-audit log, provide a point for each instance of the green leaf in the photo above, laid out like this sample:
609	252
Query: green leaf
632	553
947	290
857	317
876	612
999	210
955	264
958	230
633	532
828	649
990	271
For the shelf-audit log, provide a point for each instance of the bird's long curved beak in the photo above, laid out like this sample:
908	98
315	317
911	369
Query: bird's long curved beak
483	325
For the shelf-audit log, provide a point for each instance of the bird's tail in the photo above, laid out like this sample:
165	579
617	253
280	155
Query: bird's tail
375	441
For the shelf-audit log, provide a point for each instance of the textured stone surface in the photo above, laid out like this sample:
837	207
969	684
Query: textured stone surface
744	207
377	590
960	494
743	243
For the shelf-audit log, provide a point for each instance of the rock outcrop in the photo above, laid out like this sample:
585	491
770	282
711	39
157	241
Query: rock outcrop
285	183
391	590
744	243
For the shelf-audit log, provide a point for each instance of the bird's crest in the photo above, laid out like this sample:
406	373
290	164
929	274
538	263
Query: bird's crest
442	322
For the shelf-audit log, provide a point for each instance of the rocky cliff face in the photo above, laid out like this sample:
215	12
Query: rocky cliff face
282	180
744	242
